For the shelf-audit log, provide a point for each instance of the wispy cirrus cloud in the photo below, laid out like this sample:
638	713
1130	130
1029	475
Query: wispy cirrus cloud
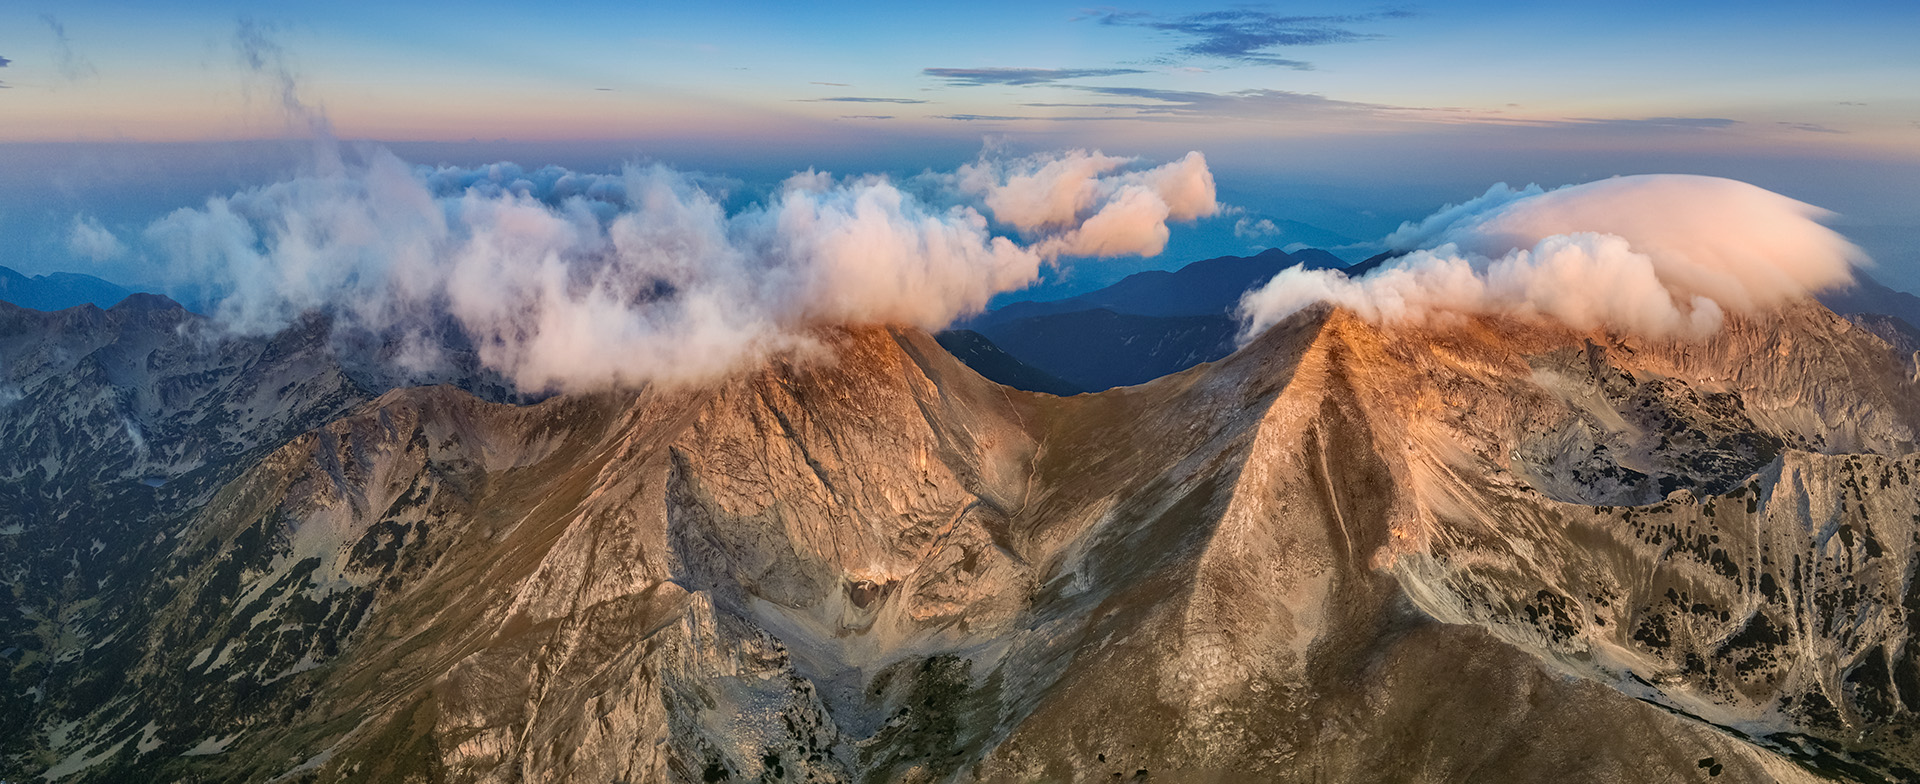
1260	104
1242	104
71	65
260	54
1283	106
1810	127
1705	123
1251	36
1019	77
983	117
860	99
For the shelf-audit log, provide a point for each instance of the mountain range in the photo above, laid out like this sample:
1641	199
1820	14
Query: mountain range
1494	551
1145	326
58	290
1155	323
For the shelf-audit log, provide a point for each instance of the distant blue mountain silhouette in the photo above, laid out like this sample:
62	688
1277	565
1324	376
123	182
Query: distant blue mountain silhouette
1100	349
58	290
1869	296
1203	288
1143	327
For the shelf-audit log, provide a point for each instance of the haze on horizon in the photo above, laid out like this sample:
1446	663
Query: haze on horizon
1322	122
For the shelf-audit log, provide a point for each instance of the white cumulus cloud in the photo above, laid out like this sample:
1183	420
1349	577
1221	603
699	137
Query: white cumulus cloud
1250	229
1659	255
568	281
1086	203
91	241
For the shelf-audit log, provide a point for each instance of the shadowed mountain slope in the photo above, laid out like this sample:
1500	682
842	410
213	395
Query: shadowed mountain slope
1101	349
1000	367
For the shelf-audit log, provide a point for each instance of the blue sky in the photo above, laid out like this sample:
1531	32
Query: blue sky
1787	72
1347	117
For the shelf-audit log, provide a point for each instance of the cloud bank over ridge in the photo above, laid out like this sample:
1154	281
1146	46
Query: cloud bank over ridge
1660	255
569	281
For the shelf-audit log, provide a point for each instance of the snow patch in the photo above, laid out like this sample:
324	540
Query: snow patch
78	761
201	657
149	738
211	746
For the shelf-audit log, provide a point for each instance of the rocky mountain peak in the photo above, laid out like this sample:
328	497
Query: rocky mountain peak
1345	546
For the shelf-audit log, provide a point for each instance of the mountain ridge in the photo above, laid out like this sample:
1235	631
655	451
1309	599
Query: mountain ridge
1204	287
58	290
885	566
1869	296
1143	327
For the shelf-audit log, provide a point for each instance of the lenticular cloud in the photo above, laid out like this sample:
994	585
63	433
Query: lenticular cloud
1660	255
565	281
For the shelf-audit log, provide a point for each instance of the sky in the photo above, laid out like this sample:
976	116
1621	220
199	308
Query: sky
1324	124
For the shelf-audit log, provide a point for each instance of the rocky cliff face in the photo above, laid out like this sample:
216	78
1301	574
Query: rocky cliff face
1481	551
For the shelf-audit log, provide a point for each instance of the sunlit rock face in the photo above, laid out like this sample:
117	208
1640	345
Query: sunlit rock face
1486	550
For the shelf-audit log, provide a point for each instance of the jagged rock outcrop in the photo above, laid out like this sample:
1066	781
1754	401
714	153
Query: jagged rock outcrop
1474	551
